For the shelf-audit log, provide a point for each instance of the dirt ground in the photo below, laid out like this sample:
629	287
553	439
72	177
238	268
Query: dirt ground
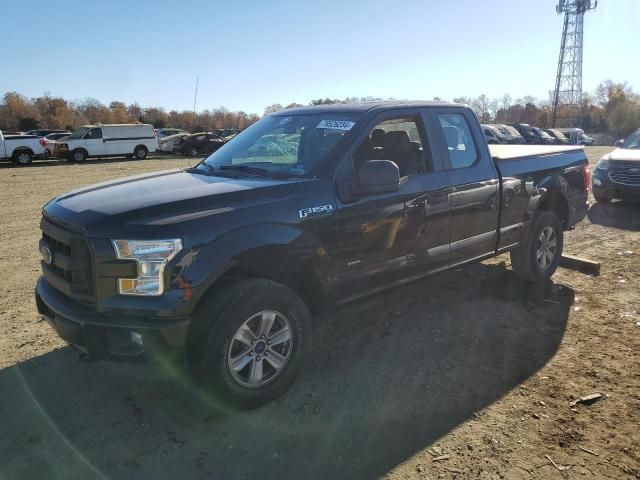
464	375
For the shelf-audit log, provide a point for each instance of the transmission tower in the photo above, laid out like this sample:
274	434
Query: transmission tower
568	91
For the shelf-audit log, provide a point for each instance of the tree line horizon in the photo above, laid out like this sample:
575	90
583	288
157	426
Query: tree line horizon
613	108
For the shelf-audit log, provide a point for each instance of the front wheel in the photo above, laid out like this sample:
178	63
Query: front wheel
78	155
248	341
537	258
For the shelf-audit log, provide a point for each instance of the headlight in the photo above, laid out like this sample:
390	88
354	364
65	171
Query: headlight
151	256
603	164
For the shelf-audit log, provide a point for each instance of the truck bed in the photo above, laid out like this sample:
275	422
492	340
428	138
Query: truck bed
509	152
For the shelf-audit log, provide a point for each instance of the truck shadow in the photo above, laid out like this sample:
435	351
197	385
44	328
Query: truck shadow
386	378
622	215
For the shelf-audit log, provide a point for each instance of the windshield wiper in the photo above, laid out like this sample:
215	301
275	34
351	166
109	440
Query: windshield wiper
262	172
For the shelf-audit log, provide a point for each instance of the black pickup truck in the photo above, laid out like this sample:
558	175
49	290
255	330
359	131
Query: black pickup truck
227	263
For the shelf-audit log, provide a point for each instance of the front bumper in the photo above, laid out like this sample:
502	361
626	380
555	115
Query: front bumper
603	186
109	336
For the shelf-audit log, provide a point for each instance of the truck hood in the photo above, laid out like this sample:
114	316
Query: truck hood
626	154
140	204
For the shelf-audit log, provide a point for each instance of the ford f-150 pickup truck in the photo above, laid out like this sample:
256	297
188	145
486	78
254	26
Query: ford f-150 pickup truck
227	263
22	149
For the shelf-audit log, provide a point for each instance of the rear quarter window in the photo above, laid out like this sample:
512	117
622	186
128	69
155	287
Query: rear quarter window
460	145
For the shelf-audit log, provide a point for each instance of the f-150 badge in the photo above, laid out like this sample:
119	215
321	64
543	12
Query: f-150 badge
312	211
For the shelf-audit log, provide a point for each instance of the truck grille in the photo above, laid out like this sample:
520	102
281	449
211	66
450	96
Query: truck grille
626	173
68	268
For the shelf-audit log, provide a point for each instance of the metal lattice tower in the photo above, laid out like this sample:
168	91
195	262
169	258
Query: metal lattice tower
567	95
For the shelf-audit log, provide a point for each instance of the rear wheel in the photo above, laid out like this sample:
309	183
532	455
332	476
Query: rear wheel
193	152
79	155
539	255
140	152
22	157
248	342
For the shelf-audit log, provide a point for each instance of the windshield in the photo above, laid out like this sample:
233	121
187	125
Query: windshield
633	140
282	145
79	133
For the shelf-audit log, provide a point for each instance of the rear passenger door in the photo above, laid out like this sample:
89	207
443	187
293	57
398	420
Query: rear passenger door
390	237
474	192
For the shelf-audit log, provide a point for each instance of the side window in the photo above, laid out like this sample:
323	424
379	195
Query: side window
94	133
398	140
459	141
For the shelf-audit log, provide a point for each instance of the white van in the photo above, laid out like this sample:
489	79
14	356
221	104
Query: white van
132	140
576	136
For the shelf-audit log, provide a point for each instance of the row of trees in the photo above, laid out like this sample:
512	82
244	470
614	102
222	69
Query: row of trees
613	108
20	113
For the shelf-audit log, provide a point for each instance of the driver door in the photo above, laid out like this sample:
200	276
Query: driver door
94	143
390	238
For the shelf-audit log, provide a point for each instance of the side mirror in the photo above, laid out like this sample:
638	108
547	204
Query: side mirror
378	176
619	143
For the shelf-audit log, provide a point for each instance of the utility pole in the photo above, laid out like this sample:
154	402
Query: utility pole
195	99
568	90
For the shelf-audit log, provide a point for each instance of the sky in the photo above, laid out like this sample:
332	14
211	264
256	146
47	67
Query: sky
251	54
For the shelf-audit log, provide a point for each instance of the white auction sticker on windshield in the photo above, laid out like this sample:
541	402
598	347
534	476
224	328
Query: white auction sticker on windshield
336	124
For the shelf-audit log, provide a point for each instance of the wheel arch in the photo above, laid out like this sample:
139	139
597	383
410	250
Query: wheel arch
275	263
17	150
281	253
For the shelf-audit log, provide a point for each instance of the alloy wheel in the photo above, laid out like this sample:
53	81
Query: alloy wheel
260	349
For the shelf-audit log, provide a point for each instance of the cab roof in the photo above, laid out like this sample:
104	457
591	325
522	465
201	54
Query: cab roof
366	106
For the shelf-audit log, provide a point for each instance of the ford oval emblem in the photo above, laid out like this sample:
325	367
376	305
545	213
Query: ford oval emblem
47	256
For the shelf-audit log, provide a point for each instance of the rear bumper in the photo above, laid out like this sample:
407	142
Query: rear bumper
603	186
107	336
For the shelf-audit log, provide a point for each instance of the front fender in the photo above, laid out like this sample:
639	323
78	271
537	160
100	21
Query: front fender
274	243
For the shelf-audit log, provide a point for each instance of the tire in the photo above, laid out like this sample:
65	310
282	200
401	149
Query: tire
601	199
220	336
140	152
193	152
22	157
537	259
78	155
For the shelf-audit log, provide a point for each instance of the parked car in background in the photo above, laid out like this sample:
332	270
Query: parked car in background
227	132
526	131
558	136
22	149
542	137
576	136
167	144
51	140
224	265
202	143
492	135
132	140
168	132
43	132
510	134
617	175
